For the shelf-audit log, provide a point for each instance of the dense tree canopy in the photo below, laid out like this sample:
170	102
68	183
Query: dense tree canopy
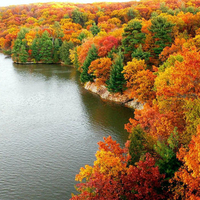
147	50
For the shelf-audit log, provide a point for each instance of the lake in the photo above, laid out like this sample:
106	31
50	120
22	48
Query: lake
49	128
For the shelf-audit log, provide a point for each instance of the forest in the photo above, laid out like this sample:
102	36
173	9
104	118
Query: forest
148	49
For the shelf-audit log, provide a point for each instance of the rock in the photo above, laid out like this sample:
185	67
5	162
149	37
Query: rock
115	97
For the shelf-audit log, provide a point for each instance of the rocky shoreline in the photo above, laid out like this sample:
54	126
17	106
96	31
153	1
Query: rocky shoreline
116	97
103	92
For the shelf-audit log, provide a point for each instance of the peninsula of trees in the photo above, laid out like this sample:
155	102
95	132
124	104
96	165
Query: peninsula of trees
149	50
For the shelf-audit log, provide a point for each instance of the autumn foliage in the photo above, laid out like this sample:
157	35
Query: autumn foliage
140	80
146	50
100	68
188	176
111	178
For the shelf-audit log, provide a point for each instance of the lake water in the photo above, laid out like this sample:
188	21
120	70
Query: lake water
49	128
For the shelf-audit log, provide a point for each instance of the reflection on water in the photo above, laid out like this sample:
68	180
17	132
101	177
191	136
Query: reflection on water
50	126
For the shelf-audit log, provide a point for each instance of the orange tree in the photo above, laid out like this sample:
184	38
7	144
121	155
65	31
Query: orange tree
140	80
187	179
100	68
111	178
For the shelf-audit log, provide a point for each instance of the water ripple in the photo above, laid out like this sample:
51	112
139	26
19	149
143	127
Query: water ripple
49	128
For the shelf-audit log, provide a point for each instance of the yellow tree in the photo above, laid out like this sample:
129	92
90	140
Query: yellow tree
2	40
139	80
142	88
30	37
69	28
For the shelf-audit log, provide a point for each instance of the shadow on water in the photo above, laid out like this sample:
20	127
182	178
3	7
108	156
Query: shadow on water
48	71
107	115
102	114
50	126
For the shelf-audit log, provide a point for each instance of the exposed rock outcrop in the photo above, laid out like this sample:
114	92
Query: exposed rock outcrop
115	97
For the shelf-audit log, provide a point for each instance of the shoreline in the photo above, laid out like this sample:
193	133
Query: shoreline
104	94
101	90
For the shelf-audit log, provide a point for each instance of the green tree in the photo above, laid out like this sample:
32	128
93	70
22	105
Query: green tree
161	30
46	48
116	82
76	62
95	29
20	40
92	55
192	116
79	17
23	54
82	36
132	13
190	9
112	53
22	33
35	47
64	52
16	49
140	144
132	37
168	163
140	54
56	53
58	31
136	148
163	7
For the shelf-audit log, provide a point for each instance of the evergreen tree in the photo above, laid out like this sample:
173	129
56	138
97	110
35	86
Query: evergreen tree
95	29
46	48
22	33
116	82
162	30
136	148
140	54
132	13
76	63
23	54
16	49
79	17
140	144
92	55
35	47
64	52
132	36
168	163
20	40
58	31
56	53
163	7
112	53
82	36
